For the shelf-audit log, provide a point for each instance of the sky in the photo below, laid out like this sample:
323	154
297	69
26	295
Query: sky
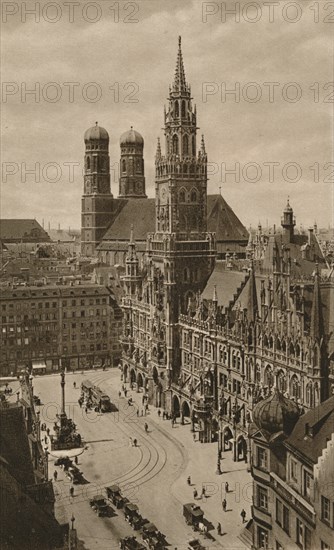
113	62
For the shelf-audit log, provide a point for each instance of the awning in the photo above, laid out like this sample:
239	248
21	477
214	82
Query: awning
38	365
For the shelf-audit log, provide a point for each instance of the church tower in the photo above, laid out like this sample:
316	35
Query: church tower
97	199
132	179
181	251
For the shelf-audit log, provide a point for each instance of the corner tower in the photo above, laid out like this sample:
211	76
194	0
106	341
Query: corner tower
132	178
96	204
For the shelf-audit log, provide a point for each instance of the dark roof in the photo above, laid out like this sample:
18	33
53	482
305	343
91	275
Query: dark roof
299	265
319	422
25	230
223	221
228	284
141	213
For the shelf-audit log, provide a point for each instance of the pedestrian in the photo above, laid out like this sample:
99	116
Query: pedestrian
226	487
72	491
137	412
143	400
194	437
146	427
55	475
135	442
74	385
189	480
76	460
163	415
219	529
48	431
142	412
45	439
224	504
119	394
86	409
243	515
203	491
125	392
159	413
195	493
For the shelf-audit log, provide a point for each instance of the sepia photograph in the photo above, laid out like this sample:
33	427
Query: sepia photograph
167	275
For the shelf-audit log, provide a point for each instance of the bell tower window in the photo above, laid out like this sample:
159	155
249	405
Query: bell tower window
185	145
193	196
177	111
123	166
175	145
88	163
183	109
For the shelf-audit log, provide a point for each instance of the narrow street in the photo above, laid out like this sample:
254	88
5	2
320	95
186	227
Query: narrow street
153	475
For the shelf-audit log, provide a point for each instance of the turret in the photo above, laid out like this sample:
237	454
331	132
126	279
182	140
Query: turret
132	175
288	223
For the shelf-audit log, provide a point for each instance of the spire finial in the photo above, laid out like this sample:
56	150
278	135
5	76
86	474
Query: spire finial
215	298
131	127
131	233
179	79
96	123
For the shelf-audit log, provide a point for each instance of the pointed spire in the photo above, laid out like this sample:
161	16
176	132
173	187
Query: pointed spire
158	152
252	308
179	78
203	152
131	234
317	325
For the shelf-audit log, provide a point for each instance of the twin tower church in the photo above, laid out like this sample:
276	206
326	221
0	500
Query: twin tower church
181	204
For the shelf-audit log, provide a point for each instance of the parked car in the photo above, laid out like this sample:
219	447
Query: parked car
99	505
114	494
195	544
74	475
130	543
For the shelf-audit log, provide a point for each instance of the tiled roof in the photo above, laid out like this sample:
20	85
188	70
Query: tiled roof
320	421
228	284
299	265
26	230
141	213
223	221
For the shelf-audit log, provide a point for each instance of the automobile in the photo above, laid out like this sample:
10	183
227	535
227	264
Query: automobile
152	537
130	543
114	494
195	544
99	505
74	475
63	461
193	514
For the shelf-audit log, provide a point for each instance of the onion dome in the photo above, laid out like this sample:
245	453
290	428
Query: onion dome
131	137
276	414
96	133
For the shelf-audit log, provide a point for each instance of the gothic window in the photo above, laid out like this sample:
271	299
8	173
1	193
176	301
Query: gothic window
185	145
309	395
177	112
281	382
185	168
182	196
193	146
186	274
183	109
123	166
88	163
175	145
193	196
294	387
138	166
192	168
